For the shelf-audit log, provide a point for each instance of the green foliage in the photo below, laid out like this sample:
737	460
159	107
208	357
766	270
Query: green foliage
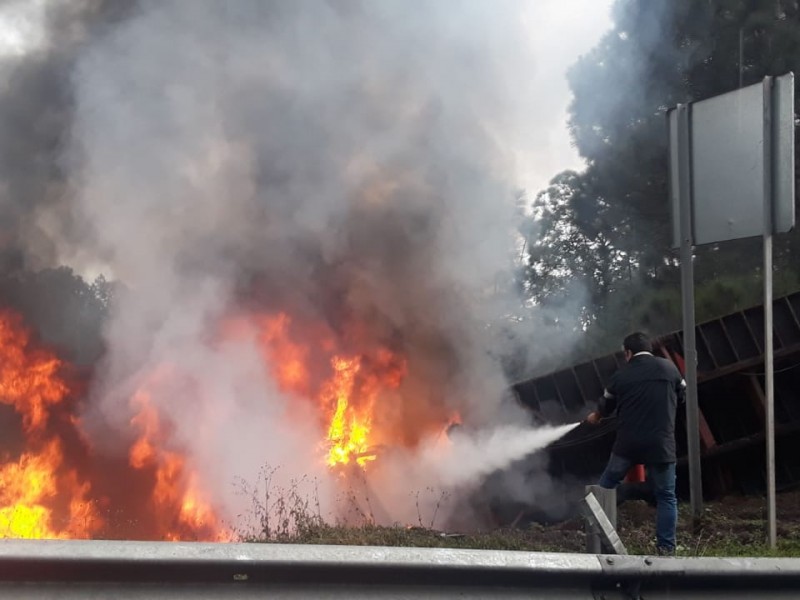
65	311
605	232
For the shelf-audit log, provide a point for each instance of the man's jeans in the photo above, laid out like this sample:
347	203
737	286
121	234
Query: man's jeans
662	477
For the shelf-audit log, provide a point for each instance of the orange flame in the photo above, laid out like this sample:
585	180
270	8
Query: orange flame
41	496
35	486
347	395
289	359
355	390
177	497
29	378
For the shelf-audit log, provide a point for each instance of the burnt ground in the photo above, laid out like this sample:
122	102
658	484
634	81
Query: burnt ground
734	526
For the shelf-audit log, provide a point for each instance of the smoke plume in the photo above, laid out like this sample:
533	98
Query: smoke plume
343	160
35	115
349	164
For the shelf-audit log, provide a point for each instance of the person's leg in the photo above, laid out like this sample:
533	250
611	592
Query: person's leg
615	472
662	476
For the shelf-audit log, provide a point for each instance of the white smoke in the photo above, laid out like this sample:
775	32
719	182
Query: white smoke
349	160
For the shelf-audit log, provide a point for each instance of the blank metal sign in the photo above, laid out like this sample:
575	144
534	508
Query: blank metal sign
726	135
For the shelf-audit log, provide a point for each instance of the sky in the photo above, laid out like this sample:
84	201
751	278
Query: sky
560	32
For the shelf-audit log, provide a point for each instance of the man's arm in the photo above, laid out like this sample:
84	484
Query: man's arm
606	405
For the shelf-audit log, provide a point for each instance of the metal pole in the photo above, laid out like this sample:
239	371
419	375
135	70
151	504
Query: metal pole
769	388
687	294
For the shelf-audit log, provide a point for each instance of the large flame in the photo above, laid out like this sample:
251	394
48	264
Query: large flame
347	392
39	497
27	488
177	498
54	486
29	379
43	496
349	428
350	397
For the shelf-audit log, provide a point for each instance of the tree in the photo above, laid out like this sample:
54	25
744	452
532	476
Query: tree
608	228
65	311
569	245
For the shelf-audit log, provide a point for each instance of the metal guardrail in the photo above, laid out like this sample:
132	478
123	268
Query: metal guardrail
126	570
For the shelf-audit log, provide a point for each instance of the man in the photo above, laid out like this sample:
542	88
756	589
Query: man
645	394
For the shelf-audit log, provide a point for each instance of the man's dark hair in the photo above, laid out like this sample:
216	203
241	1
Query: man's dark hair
637	342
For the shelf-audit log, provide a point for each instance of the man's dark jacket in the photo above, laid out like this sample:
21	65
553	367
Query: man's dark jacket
645	394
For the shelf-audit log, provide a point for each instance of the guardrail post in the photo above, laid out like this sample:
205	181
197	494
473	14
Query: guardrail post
600	511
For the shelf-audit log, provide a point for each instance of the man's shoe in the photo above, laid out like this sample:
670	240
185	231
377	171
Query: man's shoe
665	551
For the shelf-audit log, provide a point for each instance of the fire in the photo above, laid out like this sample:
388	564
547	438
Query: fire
347	394
56	484
26	488
39	497
349	428
288	358
43	496
176	497
23	486
29	378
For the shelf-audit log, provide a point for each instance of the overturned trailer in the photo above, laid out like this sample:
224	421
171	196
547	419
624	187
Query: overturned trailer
732	412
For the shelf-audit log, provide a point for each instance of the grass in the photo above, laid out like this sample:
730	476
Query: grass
734	526
415	537
564	538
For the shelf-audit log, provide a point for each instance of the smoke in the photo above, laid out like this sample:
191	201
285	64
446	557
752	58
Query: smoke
346	162
621	101
350	163
42	41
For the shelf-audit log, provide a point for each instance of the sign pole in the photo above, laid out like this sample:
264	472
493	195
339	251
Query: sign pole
769	385
718	148
687	295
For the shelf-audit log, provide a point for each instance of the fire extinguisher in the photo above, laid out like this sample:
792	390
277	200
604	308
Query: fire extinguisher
635	474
